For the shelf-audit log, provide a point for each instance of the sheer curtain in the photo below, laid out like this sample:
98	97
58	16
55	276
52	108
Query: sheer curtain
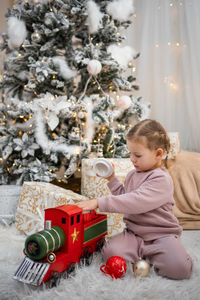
166	33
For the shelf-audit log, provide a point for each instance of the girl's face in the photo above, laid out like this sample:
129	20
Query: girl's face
142	157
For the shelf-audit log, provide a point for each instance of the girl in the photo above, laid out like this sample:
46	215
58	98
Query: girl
146	200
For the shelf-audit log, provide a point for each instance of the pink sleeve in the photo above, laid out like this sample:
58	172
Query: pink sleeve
153	193
116	187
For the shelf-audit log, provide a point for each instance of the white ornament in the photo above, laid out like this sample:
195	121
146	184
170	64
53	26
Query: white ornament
94	16
52	120
123	55
124	102
120	10
94	67
16	32
81	115
63	67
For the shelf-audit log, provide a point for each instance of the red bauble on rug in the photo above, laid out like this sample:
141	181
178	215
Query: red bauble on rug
115	267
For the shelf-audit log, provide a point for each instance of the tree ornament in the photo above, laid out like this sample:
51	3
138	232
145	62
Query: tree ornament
124	102
94	67
120	10
81	115
95	16
74	135
123	55
16	32
115	267
141	268
36	36
47	21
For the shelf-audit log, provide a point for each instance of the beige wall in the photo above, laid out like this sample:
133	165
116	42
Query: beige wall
4	5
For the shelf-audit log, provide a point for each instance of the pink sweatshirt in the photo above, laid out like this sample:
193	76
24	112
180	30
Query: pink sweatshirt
146	200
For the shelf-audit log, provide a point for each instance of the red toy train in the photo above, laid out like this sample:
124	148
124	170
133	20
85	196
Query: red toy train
70	237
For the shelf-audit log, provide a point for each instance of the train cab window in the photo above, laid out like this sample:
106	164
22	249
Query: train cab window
78	219
72	220
63	220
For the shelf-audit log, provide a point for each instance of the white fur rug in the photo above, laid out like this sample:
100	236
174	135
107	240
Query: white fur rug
89	283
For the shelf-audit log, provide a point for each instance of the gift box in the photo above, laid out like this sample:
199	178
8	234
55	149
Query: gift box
37	196
93	186
174	144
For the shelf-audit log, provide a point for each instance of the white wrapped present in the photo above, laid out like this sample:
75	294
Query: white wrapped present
37	196
93	186
174	144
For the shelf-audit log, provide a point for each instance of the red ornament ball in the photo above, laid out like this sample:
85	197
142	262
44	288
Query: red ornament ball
115	267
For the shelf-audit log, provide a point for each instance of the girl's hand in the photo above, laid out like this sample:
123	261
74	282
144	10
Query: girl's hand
112	175
88	205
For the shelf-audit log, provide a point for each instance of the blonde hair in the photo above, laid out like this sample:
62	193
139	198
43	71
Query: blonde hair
154	133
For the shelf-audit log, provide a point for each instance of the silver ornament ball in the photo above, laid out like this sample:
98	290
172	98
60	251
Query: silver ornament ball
36	36
81	115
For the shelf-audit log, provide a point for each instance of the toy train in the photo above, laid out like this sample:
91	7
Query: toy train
70	237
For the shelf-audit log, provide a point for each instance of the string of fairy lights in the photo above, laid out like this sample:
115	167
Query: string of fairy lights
175	45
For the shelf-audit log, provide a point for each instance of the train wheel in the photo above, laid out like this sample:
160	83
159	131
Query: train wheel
100	244
86	256
71	269
89	259
54	280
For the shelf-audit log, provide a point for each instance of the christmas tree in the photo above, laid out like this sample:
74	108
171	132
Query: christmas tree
67	87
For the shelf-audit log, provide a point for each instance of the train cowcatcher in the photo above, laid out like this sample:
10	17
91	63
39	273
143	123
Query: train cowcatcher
70	237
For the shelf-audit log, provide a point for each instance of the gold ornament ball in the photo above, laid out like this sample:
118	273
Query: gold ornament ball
141	268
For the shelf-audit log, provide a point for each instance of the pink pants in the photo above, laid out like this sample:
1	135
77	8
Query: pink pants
166	254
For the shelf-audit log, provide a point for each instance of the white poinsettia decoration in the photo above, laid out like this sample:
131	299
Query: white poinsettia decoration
26	145
52	107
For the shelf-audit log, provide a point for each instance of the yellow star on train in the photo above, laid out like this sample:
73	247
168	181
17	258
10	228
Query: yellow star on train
75	235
